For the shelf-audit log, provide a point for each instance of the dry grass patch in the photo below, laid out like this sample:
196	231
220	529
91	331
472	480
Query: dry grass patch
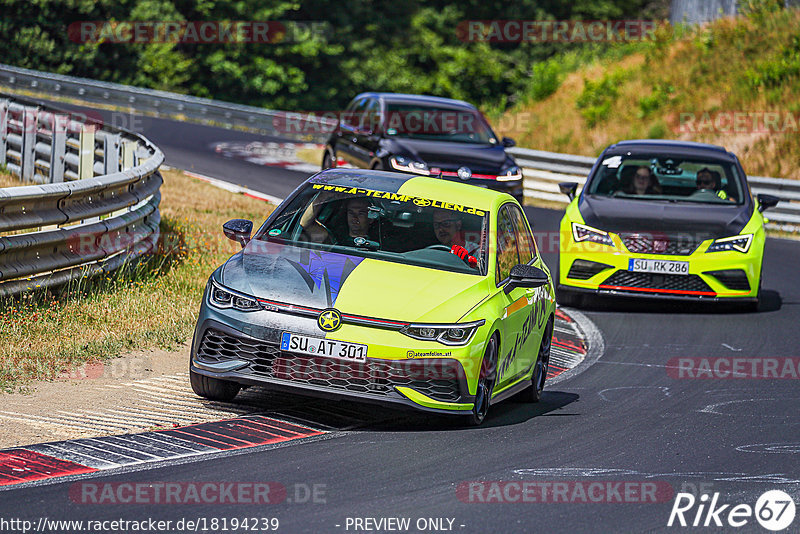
8	180
732	65
155	305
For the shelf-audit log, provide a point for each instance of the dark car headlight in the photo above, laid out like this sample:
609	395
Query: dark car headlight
740	243
222	297
512	174
404	164
581	232
447	334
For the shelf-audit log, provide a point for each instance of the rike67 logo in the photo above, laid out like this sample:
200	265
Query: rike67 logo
774	510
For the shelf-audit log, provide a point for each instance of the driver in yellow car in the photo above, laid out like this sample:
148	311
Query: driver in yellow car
447	227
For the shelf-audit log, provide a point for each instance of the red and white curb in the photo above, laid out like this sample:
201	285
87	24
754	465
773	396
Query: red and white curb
569	346
577	344
271	154
64	458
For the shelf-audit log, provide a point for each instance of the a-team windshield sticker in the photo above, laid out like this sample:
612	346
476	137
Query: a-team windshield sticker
419	201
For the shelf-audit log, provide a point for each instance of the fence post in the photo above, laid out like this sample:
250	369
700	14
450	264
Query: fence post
111	153
58	149
128	154
3	130
30	125
86	156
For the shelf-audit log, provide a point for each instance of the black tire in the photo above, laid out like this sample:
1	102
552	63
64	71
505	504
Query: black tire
327	161
540	368
213	388
486	382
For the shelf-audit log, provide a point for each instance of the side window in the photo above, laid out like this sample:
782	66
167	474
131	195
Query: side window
527	250
352	116
507	255
372	114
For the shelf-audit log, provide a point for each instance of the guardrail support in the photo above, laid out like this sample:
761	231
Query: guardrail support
86	156
128	155
111	145
3	130
30	125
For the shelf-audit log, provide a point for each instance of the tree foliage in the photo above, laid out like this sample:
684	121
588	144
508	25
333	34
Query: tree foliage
387	45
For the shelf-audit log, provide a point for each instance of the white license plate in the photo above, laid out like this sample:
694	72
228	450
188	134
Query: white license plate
325	348
658	266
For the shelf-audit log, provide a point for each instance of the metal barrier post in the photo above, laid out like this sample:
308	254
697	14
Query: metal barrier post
30	124
128	155
3	130
58	149
111	153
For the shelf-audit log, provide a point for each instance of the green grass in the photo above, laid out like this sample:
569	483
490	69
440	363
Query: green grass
151	305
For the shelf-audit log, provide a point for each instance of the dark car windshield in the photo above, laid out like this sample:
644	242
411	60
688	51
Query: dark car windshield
658	177
417	121
383	225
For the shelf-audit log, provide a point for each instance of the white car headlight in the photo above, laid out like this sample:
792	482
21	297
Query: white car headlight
581	232
446	334
738	242
222	297
404	164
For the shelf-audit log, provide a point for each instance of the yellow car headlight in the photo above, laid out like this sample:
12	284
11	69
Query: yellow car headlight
740	243
581	232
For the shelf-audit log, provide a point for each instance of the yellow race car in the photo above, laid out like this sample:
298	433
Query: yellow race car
381	287
663	219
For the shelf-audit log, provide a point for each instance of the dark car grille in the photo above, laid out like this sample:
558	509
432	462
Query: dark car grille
667	282
734	279
646	243
438	379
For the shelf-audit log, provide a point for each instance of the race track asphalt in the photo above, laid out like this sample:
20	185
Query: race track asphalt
627	418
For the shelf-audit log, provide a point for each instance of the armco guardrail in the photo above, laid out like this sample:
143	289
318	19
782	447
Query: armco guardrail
149	101
92	203
543	172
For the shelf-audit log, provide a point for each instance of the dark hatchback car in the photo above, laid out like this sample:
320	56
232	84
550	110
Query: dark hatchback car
423	135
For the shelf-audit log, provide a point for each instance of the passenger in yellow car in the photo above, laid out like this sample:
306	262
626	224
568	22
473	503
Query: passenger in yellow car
643	183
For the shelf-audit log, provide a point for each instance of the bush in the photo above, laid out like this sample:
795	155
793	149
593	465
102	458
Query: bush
775	72
661	96
595	100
